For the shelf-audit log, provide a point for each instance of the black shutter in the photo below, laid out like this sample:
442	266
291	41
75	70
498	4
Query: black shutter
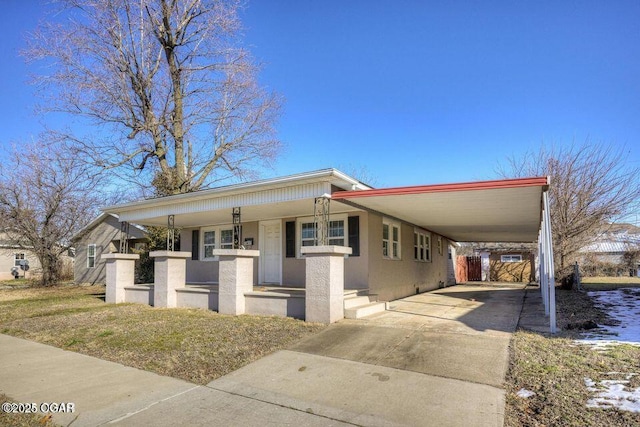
290	237
354	235
195	245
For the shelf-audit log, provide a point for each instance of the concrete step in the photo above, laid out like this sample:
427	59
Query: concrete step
365	310
356	301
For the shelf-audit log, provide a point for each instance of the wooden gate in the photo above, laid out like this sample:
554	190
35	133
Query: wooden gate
474	269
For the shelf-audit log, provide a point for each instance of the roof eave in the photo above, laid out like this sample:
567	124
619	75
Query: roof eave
340	179
438	188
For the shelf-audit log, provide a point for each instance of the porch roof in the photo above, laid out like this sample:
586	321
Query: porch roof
283	197
486	211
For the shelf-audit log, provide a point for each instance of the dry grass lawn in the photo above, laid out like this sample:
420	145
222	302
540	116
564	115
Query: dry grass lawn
195	345
555	368
22	420
606	283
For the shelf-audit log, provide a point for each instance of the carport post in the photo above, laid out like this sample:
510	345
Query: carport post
542	259
548	240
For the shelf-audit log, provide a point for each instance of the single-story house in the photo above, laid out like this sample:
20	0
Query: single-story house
287	245
17	258
102	236
13	255
610	248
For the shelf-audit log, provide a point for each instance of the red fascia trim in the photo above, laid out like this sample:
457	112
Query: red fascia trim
442	188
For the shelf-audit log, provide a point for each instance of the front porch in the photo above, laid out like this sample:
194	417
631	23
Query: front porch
322	300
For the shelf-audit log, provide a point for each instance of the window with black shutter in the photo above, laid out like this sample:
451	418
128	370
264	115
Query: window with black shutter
354	235
290	238
195	245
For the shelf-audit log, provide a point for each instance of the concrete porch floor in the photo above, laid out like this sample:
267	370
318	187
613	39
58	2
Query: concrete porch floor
281	289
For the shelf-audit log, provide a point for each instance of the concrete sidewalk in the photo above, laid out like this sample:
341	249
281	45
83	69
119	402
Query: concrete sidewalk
437	358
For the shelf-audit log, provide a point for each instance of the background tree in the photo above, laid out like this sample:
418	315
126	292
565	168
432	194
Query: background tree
45	198
631	258
176	100
592	185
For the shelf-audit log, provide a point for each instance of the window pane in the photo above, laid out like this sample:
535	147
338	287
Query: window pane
395	234
415	238
336	228
209	237
226	237
91	250
415	252
395	250
422	254
337	242
308	243
385	248
427	255
308	230
208	251
385	231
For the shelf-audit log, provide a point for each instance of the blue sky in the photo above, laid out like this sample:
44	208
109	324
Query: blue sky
417	92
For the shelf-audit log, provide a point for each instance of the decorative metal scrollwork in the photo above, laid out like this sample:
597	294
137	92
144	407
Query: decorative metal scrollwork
237	229
321	220
124	237
171	232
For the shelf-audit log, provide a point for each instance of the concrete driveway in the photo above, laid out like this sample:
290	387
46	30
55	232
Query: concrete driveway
437	358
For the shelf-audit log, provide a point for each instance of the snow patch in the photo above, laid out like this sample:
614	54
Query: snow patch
623	306
614	393
524	393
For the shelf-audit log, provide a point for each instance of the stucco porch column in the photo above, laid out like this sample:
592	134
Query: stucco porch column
169	272
235	278
120	273
324	301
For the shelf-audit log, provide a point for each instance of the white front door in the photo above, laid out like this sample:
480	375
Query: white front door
270	252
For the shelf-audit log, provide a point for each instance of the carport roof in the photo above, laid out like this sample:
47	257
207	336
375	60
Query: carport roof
486	211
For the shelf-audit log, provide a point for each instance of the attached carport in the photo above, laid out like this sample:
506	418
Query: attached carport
512	210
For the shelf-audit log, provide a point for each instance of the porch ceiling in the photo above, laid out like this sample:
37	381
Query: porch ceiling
487	211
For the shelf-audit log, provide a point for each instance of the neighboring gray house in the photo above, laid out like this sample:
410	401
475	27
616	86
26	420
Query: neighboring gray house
101	236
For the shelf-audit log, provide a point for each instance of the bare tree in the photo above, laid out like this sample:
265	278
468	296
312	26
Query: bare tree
176	99
44	199
592	185
631	258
